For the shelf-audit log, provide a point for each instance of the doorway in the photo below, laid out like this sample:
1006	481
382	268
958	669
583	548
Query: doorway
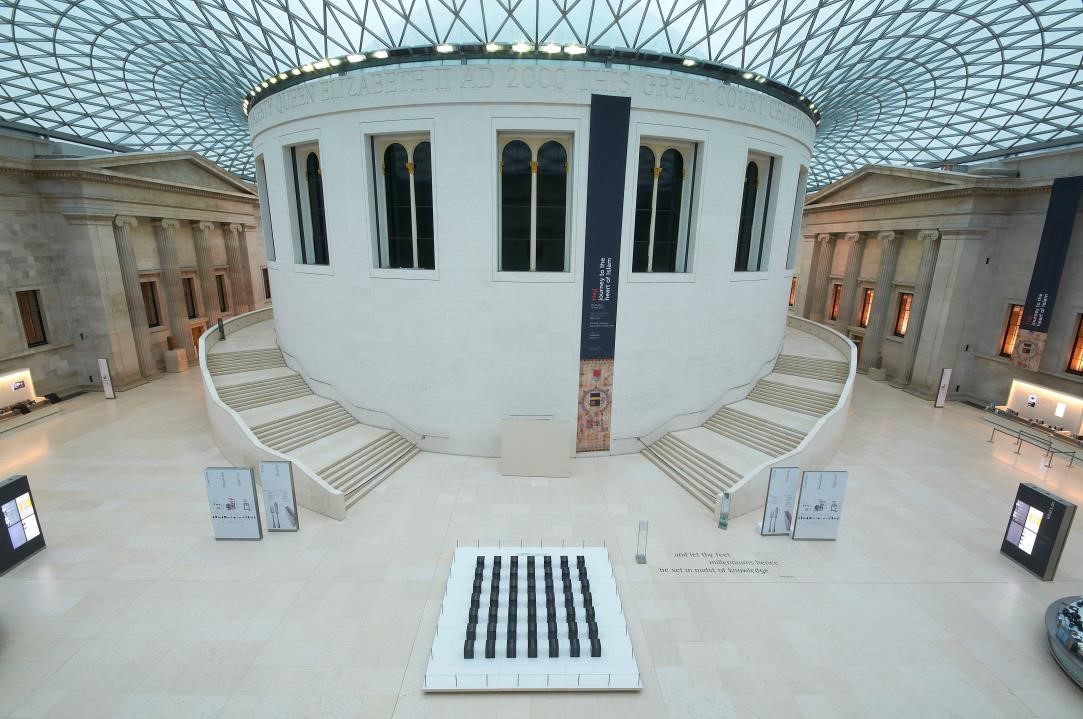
197	330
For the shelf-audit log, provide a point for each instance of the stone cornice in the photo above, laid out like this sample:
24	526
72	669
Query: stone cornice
27	170
925	195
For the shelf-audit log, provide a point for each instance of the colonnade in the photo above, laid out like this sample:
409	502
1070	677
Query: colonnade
853	244
166	231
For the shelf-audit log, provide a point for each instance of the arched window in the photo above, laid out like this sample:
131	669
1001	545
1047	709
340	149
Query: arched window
404	203
748	214
757	208
660	240
315	201
307	205
533	205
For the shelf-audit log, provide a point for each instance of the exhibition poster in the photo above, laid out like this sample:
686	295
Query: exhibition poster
21	533
781	494
819	506
279	499
231	492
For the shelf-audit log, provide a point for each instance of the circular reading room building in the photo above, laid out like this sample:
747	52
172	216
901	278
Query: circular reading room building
463	236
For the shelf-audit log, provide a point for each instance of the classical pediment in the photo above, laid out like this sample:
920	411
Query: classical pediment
874	182
179	168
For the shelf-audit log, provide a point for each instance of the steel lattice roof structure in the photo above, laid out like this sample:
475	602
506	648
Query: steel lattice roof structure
903	82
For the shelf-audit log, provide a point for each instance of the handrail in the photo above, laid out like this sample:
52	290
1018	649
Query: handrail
1043	443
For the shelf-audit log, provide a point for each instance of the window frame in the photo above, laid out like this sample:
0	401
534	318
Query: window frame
155	295
793	291
836	300
1007	332
294	147
37	311
535	139
899	309
1075	349
376	144
868	297
765	207
223	292
191	301
265	273
798	216
263	193
691	151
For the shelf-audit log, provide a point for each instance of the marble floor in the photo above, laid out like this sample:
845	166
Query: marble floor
135	611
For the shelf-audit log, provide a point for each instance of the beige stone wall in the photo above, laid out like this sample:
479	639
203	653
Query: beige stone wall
57	236
990	231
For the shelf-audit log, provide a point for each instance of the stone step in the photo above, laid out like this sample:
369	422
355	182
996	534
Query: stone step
297	430
812	367
256	394
701	475
361	470
244	361
798	399
756	432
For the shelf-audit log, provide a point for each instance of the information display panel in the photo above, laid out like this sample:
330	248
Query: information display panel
279	500
1037	527
819	507
781	493
231	492
22	534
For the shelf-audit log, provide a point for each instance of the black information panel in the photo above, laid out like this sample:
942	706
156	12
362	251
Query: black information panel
22	535
1037	528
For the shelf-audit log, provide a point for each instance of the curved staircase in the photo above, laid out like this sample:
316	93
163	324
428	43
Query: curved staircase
806	383
248	374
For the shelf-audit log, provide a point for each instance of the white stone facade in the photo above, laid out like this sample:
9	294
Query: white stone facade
443	355
84	232
963	243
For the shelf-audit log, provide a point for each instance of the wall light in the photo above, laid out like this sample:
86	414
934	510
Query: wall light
550	48
445	48
575	49
493	47
380	54
355	58
522	47
307	68
689	62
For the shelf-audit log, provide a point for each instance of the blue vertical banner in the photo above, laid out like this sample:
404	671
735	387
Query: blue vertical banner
606	164
1048	266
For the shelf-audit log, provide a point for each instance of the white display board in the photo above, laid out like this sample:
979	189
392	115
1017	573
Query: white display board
945	382
781	495
16	387
449	670
279	500
819	507
107	378
231	492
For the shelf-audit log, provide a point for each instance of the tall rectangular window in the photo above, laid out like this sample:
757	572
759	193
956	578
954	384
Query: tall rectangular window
266	284
866	308
757	210
836	297
223	304
795	227
150	303
902	316
29	302
663	215
265	207
402	172
793	290
307	203
1075	363
190	297
534	191
1011	330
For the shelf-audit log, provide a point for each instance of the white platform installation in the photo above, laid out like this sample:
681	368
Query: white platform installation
530	618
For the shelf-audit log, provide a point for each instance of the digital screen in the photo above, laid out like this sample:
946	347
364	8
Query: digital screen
1024	524
19	518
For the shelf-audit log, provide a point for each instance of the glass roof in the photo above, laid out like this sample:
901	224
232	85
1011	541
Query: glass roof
896	81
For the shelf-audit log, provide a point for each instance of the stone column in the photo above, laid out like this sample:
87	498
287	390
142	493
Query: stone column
133	294
822	257
881	300
165	235
205	266
235	251
855	251
930	240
